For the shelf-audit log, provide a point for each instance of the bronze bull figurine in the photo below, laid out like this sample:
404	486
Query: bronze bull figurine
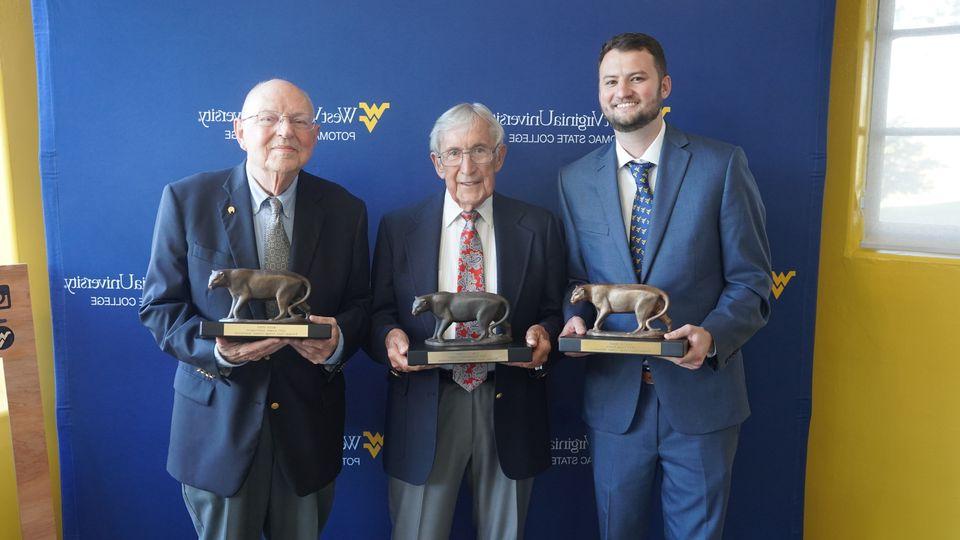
289	289
488	309
646	302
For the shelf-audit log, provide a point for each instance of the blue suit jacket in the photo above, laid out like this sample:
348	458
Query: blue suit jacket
530	270
216	419
708	250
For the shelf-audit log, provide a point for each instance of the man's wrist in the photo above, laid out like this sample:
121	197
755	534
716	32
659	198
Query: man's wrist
712	351
331	363
222	361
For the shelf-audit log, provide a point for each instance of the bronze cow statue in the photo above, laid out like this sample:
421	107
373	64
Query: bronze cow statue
289	289
646	302
488	309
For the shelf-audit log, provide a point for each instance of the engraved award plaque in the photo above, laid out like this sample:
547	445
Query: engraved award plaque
288	291
646	302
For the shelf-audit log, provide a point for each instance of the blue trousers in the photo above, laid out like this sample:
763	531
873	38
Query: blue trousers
695	470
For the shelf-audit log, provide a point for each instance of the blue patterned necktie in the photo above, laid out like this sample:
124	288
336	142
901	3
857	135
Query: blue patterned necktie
640	216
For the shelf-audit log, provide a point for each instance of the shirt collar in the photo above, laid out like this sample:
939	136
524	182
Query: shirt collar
258	194
452	211
651	154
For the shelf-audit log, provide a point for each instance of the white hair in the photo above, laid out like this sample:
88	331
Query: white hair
462	115
256	88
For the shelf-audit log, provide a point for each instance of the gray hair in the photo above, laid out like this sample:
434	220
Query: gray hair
462	115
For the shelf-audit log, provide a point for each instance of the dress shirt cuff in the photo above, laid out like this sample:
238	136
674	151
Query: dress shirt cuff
711	359
330	364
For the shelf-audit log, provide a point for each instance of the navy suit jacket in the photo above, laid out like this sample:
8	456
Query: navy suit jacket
531	276
708	250
205	223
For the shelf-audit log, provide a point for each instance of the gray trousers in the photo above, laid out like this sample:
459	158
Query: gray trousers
266	503
465	444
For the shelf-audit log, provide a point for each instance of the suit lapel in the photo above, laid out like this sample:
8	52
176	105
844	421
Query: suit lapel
673	166
236	213
609	193
422	246
307	224
514	242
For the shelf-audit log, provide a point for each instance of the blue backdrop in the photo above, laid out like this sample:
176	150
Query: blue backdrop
134	96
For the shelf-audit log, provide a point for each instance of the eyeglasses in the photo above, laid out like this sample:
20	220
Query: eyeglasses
269	119
479	155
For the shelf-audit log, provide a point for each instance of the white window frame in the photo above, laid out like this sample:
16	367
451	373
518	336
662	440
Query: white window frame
912	239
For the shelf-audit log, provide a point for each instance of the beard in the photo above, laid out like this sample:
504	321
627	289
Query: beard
641	119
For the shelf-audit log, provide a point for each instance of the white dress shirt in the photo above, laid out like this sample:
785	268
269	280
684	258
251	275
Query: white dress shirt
625	181
449	256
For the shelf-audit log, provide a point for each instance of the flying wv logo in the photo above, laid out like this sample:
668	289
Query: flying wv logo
6	337
375	444
780	281
372	114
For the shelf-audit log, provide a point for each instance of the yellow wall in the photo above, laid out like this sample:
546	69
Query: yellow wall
884	451
21	224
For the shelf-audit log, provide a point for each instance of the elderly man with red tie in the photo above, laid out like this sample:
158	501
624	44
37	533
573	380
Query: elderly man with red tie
476	419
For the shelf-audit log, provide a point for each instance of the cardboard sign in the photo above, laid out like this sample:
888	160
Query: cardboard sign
18	366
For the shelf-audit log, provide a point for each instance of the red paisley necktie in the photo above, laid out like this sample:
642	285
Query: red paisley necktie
470	278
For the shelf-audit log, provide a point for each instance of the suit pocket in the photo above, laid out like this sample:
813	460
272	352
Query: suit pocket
398	385
192	385
212	256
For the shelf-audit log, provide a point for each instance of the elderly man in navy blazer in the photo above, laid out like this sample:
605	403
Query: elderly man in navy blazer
483	421
682	213
257	433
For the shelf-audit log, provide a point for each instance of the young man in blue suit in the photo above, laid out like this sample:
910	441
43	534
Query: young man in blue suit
682	213
257	433
486	421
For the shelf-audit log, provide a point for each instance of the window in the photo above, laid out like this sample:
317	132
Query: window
912	197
